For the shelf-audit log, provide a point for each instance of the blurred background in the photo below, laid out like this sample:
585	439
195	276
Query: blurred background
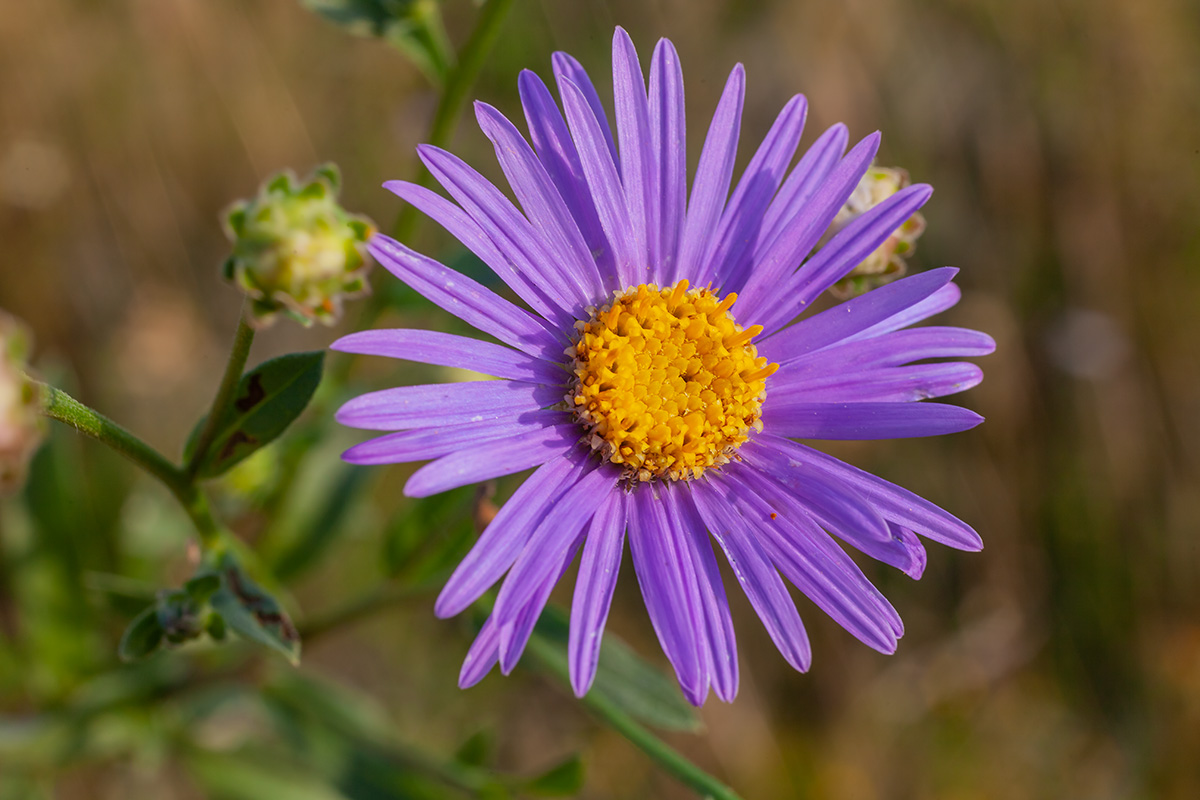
1062	661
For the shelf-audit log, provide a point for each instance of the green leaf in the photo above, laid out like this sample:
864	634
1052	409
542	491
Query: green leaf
414	27
565	780
202	587
321	529
429	534
253	775
634	686
143	636
252	613
268	398
477	751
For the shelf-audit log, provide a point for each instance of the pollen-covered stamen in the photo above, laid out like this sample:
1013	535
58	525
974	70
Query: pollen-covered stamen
666	383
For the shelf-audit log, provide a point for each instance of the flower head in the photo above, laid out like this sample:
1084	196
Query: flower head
21	425
887	262
658	377
296	250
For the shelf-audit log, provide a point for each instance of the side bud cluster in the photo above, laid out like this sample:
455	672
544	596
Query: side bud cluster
295	250
887	263
22	427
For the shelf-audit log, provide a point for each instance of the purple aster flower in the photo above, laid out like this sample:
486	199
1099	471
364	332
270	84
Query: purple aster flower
658	377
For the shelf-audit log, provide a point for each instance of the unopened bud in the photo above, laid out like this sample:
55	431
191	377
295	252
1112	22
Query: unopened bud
295	250
22	427
887	262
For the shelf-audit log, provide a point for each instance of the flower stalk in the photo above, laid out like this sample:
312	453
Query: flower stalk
58	405
234	367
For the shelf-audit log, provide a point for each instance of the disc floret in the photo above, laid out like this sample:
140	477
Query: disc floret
667	384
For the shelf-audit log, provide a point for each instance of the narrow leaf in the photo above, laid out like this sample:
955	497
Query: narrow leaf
268	398
414	27
252	613
143	636
622	677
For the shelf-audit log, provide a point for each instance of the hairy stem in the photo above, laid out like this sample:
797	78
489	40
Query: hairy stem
59	405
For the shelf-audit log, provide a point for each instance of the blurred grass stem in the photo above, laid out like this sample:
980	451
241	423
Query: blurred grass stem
242	339
607	712
59	405
375	600
454	98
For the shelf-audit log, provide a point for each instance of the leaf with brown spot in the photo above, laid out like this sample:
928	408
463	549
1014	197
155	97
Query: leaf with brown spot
269	398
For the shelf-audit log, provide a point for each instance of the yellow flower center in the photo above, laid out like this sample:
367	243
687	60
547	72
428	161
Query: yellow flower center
666	383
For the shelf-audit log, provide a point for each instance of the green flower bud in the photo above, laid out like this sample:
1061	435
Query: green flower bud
295	250
22	427
887	263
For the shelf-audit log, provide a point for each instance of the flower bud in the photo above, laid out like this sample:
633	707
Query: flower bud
22	427
295	250
887	263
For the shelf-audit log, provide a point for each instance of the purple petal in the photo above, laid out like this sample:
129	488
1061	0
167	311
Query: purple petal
838	510
803	231
668	583
505	537
456	222
941	300
528	265
814	563
567	69
722	652
842	254
893	502
638	161
465	299
668	136
883	385
546	548
892	349
830	501
843	321
557	153
713	175
758	578
483	654
543	203
492	460
448	350
603	182
515	635
741	223
816	163
857	421
426	443
594	587
407	407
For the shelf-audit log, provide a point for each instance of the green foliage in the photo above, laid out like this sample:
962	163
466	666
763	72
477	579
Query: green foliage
142	637
414	27
268	399
429	535
251	612
623	678
320	530
564	780
220	597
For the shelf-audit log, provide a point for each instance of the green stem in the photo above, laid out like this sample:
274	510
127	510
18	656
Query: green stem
458	85
659	751
379	598
59	405
229	383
